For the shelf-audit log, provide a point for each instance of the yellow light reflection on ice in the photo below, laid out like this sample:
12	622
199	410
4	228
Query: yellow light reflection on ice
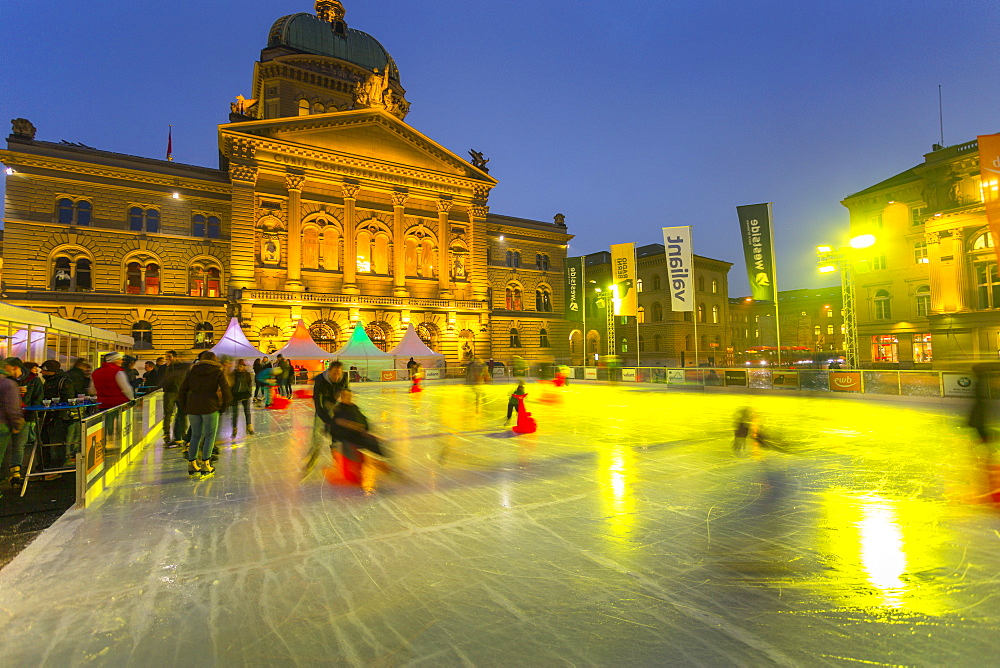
616	475
883	543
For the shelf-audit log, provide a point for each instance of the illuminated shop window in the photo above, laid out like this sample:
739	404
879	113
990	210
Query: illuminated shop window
142	277
885	348
204	280
922	351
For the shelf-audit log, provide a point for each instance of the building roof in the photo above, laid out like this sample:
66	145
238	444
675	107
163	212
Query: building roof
307	33
897	180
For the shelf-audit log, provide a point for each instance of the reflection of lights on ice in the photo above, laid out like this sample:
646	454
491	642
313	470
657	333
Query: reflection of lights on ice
882	554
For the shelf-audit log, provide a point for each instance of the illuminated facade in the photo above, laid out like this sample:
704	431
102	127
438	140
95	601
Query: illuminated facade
327	207
663	337
928	292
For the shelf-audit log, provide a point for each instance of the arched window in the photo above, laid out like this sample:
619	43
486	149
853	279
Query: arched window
515	338
142	277
143	220
817	330
704	342
641	317
642	344
324	333
543	299
657	342
883	309
318	108
715	315
427	334
538	260
380	255
210	227
508	303
204	280
142	332
688	342
701	312
715	287
538	300
364	252
510	258
62	274
983	241
331	249
303	107
377	335
518	304
82	276
198	225
657	312
543	338
425	257
656	281
924	300
214	227
701	284
545	262
204	335
624	345
638	285
73	212
310	248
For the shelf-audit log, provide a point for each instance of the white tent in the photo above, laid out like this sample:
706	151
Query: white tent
302	347
234	343
412	346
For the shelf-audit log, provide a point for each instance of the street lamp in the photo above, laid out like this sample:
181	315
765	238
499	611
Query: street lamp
832	259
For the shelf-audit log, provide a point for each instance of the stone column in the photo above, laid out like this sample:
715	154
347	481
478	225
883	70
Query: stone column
241	233
350	238
475	268
398	245
444	268
962	289
293	281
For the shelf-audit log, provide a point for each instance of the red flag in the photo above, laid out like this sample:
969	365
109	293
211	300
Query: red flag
170	143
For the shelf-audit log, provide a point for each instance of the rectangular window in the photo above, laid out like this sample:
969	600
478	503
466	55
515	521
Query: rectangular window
885	348
922	348
917	215
987	285
923	305
875	221
878	262
920	252
829	329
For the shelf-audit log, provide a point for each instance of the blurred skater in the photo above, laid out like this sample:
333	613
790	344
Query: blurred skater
327	387
352	441
748	431
514	401
475	376
981	418
416	375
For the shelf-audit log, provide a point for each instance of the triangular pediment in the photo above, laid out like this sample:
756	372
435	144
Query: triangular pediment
369	133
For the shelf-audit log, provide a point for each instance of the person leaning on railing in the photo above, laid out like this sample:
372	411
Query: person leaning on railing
111	384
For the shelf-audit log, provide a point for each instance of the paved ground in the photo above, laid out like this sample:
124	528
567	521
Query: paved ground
625	532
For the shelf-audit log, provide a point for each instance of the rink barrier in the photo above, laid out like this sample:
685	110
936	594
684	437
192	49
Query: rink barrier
949	384
111	440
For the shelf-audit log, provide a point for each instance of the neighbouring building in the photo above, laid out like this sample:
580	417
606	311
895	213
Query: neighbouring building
928	291
658	336
326	207
812	327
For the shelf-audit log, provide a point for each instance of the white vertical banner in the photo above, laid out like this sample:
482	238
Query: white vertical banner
680	267
623	277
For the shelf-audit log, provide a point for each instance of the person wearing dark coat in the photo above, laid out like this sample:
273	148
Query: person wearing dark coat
349	429
79	375
57	388
170	378
203	396
242	387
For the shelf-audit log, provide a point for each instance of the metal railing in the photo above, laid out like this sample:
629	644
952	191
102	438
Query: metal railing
856	381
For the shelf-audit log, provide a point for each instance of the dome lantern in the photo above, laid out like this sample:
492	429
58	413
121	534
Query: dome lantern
332	12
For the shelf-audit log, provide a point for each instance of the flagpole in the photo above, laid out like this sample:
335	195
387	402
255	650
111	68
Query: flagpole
694	291
635	258
583	302
774	282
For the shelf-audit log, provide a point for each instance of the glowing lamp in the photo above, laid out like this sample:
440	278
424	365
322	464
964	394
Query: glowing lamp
827	269
863	241
177	195
9	171
501	237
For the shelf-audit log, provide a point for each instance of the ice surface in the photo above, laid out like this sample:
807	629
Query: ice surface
624	532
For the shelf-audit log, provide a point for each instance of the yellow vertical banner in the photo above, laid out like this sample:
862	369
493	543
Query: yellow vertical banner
623	279
989	170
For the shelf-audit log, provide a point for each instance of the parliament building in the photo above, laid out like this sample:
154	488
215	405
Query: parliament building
326	206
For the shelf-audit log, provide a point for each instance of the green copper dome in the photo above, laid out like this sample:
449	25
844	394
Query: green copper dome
307	33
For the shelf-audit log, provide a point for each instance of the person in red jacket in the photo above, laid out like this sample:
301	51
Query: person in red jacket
110	383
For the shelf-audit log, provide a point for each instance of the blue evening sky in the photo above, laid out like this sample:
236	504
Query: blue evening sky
624	116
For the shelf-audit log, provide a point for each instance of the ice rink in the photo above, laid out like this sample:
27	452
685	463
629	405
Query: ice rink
624	532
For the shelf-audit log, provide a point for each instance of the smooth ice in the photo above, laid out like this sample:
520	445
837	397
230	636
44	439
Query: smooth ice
624	532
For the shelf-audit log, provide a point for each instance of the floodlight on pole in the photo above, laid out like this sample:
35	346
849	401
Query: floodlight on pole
830	260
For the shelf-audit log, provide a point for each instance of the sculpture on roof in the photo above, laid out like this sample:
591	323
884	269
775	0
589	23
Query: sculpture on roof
478	160
330	11
242	106
376	93
22	128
